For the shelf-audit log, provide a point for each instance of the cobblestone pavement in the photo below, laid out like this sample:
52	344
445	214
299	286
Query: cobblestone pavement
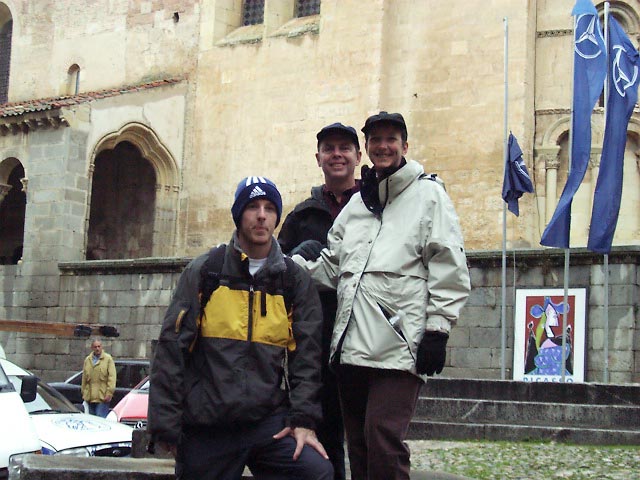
526	460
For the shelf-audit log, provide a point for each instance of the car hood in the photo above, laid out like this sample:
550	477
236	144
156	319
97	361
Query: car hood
70	430
133	405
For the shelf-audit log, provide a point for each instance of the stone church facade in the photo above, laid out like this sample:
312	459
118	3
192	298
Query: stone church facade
126	124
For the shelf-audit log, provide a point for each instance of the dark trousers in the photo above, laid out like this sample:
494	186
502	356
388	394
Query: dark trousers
377	407
331	430
217	454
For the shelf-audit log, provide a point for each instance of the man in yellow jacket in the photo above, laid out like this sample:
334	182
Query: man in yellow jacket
98	380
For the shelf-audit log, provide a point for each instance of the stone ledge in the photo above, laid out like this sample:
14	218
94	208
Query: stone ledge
62	467
552	257
137	265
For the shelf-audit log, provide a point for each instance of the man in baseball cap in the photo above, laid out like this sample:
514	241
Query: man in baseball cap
305	228
396	256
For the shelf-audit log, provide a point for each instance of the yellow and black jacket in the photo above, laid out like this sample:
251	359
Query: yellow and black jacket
226	366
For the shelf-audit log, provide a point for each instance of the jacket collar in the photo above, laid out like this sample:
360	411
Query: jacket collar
275	260
377	193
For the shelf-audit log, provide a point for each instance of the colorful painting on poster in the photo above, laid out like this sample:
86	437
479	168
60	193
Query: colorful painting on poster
537	353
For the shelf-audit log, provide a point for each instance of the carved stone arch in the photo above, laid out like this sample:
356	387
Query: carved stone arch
5	13
626	15
633	129
6	167
151	148
140	144
556	132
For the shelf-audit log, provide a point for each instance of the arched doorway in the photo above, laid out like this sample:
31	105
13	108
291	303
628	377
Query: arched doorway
13	203
123	197
134	196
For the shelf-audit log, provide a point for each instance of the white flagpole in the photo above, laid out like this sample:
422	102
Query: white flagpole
567	250
605	265
503	310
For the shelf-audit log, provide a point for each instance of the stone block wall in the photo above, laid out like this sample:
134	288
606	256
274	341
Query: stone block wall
132	295
475	345
129	295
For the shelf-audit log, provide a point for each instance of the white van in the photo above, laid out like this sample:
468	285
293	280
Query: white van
20	436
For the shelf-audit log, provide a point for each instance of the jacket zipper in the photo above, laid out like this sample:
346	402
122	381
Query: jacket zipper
250	319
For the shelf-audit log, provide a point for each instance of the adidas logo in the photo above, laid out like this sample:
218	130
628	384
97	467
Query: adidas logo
257	192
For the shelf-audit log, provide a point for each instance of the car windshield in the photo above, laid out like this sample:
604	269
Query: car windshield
75	379
144	385
5	384
47	399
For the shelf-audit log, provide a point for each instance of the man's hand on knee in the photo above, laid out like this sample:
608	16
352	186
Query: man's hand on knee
303	436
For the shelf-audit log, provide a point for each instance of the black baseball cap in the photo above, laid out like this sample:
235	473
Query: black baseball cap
338	128
394	118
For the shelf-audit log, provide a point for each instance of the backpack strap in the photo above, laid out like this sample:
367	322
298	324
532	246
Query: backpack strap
288	283
210	274
434	178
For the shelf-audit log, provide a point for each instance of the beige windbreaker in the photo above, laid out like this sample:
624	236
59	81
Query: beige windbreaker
98	380
409	262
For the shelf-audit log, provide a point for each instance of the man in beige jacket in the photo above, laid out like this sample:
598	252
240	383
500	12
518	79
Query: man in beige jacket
395	256
98	380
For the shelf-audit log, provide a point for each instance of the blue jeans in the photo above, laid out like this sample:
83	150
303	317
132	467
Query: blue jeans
100	409
222	454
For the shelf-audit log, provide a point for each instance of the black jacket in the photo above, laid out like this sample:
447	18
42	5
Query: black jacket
311	220
225	368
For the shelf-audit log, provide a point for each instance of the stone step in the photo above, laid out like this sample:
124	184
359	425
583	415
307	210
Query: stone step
564	415
424	429
541	392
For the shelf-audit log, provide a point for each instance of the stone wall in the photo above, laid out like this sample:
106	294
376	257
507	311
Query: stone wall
475	344
132	295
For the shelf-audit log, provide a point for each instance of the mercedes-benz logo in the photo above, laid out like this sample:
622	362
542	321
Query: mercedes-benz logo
587	45
621	79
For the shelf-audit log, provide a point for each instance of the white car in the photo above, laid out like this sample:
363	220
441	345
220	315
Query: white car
19	436
64	430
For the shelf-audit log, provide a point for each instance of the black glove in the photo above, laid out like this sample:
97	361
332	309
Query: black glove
432	352
309	249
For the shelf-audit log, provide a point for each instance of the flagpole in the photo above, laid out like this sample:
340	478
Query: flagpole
503	310
605	265
567	250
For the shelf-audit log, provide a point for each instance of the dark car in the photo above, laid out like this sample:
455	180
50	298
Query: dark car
129	372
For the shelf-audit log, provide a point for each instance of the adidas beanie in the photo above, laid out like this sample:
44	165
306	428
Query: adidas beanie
251	188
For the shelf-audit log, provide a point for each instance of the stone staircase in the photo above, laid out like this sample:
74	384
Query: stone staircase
579	413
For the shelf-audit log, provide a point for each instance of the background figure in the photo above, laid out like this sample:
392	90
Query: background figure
220	398
395	255
338	155
98	380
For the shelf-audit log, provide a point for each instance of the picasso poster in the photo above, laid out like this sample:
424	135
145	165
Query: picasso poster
538	335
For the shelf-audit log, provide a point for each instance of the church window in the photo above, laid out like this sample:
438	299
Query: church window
252	12
6	30
306	8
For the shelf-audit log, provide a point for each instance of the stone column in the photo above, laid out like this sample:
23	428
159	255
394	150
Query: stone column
552	163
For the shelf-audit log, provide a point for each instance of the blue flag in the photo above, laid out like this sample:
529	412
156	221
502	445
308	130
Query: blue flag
589	72
516	177
623	95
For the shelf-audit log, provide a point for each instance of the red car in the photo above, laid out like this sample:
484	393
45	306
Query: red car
132	409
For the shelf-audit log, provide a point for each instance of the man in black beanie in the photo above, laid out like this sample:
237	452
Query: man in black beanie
236	375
